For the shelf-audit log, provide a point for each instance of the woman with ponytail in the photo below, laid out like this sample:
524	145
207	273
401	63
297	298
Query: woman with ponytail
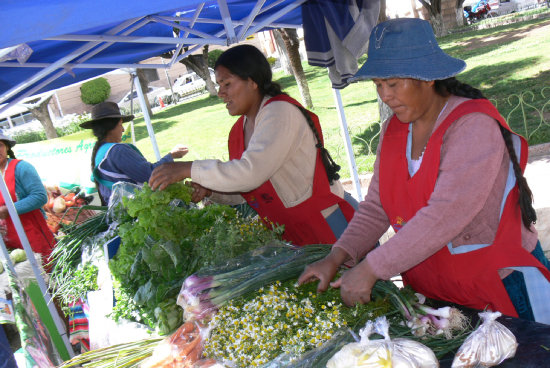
278	162
113	161
448	178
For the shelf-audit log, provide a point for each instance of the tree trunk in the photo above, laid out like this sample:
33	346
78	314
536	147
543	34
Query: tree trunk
199	64
41	113
434	9
460	20
283	54
438	25
414	9
292	45
382	17
144	83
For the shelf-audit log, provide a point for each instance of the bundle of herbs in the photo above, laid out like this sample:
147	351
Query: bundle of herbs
164	239
69	278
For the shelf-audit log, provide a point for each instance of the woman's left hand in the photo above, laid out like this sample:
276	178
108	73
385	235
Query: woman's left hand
356	284
169	173
4	214
179	151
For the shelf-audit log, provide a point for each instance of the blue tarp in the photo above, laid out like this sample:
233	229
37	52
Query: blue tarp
32	22
55	29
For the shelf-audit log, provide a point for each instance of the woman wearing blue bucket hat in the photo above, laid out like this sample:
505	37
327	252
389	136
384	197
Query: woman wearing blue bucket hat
448	178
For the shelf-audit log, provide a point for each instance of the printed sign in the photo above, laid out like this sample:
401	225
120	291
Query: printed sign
63	162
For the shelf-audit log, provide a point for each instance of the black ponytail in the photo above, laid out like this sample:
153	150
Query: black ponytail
452	86
100	130
331	167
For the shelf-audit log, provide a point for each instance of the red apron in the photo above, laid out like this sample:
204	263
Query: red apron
304	223
40	237
470	279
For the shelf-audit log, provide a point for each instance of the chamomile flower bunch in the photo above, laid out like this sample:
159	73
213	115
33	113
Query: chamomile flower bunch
278	320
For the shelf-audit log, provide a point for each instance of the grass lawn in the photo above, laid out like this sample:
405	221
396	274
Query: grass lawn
502	61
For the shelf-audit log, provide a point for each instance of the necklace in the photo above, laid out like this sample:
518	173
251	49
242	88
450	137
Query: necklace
419	160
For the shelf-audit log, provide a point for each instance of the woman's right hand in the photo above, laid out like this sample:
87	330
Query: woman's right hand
169	173
324	270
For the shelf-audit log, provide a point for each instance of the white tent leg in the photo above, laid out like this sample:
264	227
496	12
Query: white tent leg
347	143
146	116
30	257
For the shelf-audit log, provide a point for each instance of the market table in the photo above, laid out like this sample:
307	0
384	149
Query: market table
533	343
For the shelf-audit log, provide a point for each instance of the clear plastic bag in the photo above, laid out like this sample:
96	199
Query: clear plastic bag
489	345
397	353
120	190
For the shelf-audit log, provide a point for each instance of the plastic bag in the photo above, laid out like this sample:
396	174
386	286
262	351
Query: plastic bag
182	349
120	190
489	345
397	353
317	357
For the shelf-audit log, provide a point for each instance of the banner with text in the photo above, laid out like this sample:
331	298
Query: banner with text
64	161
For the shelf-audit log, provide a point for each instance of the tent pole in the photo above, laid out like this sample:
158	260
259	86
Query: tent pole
30	257
347	141
146	115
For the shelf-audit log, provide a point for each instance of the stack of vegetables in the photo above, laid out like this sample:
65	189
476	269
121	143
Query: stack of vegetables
251	313
164	239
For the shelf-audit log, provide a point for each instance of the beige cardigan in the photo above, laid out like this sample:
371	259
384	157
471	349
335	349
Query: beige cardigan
281	149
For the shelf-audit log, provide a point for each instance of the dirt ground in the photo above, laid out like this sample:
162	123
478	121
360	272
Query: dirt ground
509	36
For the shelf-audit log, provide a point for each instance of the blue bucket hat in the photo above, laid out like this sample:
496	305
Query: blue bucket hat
407	48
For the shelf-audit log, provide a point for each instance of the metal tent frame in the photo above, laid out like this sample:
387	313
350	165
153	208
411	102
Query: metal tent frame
74	40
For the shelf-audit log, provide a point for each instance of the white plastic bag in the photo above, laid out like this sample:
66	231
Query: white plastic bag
397	353
489	345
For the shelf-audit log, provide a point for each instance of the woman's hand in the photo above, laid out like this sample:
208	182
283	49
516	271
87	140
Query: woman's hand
324	270
356	284
199	192
179	151
169	173
4	214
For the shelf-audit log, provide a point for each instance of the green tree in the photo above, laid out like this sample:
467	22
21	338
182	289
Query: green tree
213	56
95	91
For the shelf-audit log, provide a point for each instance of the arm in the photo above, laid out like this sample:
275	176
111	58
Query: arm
280	127
471	155
30	191
123	159
370	221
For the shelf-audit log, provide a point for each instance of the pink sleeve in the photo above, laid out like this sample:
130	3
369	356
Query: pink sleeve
471	154
369	222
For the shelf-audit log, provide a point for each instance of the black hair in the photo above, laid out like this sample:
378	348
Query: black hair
100	130
9	151
452	86
246	61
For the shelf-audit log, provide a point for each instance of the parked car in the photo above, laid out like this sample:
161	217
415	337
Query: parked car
152	93
191	83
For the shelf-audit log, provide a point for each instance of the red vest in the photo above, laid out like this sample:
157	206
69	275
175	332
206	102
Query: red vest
40	237
304	223
471	278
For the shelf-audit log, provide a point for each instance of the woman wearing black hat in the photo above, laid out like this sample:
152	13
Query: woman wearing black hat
448	178
113	161
29	195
